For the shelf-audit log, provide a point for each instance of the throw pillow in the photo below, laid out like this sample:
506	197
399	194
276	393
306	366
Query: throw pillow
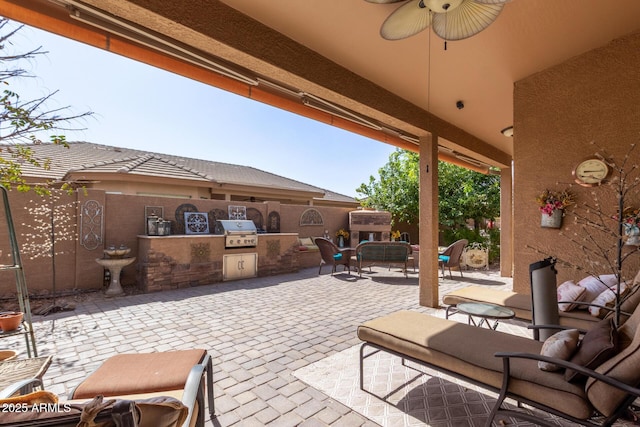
607	298
569	291
560	345
595	285
444	258
306	241
597	346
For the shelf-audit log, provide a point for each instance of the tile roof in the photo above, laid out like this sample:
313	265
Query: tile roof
96	158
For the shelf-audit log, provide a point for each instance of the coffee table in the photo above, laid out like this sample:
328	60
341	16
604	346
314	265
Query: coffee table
485	312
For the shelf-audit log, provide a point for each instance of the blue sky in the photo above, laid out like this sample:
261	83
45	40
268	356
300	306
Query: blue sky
142	107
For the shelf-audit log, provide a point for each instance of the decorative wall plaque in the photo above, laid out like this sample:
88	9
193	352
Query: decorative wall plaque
273	222
311	217
237	212
256	216
180	211
196	223
91	224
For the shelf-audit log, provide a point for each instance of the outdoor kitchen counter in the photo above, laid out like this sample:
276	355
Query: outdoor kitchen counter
178	261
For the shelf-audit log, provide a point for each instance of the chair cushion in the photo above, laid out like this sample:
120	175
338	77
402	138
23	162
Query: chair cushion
140	373
560	345
444	258
597	346
306	241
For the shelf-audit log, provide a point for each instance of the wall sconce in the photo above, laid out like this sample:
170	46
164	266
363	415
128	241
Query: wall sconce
508	131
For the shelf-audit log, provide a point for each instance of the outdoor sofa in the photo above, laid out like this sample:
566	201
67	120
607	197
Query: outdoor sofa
508	363
382	253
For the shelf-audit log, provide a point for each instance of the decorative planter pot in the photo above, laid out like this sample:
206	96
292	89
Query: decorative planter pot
551	221
10	321
341	241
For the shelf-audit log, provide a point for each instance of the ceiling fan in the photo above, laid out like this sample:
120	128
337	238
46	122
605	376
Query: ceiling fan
450	19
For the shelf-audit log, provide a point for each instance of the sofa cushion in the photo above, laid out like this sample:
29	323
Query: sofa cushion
569	291
597	346
606	298
595	285
560	345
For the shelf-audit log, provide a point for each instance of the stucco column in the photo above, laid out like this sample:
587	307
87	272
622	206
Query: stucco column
506	222
429	221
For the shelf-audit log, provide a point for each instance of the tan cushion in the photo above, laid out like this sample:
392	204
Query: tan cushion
140	373
569	291
597	346
560	345
519	303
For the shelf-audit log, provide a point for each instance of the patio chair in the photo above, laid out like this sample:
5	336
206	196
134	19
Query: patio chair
450	257
332	255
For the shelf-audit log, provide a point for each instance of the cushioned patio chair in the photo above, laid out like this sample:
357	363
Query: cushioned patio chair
332	255
142	390
451	256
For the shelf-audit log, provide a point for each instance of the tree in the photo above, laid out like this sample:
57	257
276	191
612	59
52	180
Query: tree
397	189
21	122
463	194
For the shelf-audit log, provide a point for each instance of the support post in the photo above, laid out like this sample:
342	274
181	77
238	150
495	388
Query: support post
429	221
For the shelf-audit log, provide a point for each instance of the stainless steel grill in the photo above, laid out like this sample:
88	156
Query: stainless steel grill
238	233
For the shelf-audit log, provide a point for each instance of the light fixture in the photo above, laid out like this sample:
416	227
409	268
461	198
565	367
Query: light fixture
508	131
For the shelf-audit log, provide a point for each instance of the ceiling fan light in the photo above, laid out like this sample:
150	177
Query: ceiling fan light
466	20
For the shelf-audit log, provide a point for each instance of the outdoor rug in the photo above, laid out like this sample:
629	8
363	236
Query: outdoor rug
404	396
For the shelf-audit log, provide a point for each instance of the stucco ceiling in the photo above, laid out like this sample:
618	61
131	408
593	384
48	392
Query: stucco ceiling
332	49
528	36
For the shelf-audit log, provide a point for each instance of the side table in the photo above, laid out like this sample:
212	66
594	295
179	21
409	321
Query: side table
484	311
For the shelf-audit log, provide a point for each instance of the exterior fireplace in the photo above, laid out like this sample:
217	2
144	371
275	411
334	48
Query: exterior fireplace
364	225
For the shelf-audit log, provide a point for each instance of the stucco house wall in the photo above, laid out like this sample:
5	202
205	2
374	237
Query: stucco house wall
559	112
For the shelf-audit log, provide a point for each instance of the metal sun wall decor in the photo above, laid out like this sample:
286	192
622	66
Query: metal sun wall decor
196	223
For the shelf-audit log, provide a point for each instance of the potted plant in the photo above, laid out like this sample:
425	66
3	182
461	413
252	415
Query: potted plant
342	234
551	205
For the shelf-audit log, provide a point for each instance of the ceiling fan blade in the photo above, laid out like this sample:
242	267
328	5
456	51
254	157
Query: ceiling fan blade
383	1
405	21
490	1
465	20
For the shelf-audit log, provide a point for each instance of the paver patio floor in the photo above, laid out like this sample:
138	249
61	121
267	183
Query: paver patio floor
258	332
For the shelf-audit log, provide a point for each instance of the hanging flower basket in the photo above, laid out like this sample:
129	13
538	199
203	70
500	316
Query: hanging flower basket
553	220
551	205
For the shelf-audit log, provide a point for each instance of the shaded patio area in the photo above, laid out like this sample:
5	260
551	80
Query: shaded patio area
264	335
